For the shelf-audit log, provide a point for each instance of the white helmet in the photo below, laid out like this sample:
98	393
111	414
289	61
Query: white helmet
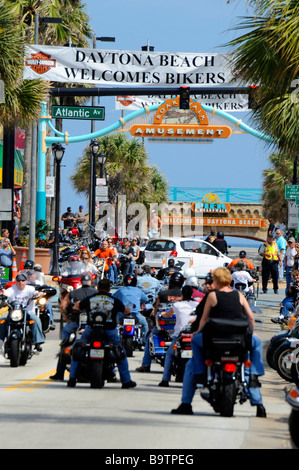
192	281
189	272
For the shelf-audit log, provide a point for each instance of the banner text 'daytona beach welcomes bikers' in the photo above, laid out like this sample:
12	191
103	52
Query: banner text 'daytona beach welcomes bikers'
99	67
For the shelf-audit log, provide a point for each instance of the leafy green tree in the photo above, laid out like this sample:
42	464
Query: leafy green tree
128	171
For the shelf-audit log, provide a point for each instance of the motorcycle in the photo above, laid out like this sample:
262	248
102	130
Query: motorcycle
249	294
19	339
226	344
69	278
182	353
161	340
292	397
97	358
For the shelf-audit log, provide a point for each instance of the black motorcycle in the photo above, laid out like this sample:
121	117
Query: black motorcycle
98	357
19	339
227	343
41	309
292	397
182	353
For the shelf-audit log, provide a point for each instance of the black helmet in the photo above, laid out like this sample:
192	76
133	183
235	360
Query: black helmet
242	254
28	264
209	278
220	235
130	280
176	279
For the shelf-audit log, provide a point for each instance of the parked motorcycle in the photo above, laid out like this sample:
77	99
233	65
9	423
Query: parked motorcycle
227	344
292	397
19	339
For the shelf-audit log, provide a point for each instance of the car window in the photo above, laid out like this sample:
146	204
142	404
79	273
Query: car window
160	245
209	250
194	246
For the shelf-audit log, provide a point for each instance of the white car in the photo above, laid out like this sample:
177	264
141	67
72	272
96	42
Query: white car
205	256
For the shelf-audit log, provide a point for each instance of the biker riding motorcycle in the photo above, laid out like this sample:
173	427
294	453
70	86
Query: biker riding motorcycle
94	301
71	316
242	257
196	365
241	276
172	294
133	297
147	283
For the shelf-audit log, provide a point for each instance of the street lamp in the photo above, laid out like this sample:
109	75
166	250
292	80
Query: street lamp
94	148
58	152
102	157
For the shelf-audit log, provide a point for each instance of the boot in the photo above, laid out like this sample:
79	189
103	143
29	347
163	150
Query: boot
183	409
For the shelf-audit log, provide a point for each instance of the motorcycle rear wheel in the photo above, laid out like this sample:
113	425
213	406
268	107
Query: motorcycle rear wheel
14	353
128	345
227	399
97	374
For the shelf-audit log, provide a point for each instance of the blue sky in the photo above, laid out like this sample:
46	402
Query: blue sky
172	25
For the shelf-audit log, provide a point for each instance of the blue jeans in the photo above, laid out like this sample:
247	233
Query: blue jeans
189	389
123	366
287	304
168	360
257	366
132	264
112	273
147	358
37	331
289	278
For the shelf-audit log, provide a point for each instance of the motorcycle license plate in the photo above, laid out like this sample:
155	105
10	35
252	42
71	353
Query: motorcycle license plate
129	321
186	354
96	354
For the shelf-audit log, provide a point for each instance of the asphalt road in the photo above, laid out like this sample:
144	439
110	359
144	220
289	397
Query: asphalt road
37	413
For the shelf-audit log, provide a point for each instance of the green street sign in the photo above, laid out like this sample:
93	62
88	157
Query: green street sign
291	191
78	112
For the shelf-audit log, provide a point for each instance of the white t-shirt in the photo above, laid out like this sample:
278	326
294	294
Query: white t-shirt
241	276
182	310
13	293
290	253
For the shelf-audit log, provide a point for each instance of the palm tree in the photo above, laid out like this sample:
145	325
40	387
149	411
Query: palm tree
275	178
268	56
128	171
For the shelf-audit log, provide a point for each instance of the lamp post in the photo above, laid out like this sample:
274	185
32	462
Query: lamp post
102	157
94	148
58	152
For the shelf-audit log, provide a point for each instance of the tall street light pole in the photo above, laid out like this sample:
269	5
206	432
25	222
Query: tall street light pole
58	152
92	185
94	148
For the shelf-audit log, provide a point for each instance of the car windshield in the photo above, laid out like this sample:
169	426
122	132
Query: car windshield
160	245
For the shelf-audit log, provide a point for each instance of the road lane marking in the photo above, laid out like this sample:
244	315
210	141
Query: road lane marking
31	384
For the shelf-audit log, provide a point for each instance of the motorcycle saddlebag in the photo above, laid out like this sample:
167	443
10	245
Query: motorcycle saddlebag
223	333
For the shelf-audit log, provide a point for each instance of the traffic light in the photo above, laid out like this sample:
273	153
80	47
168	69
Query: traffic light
184	97
252	96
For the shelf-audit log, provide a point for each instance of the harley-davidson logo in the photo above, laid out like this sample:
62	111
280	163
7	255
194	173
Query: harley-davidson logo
40	62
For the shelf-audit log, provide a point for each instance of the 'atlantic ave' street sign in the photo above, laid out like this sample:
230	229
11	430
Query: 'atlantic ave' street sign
78	112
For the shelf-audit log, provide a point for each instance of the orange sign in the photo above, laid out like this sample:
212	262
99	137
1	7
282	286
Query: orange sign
171	121
40	62
233	222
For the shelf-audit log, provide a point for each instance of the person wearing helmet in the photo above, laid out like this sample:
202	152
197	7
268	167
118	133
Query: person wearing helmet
133	297
103	296
71	315
241	276
182	310
194	283
171	268
172	294
28	264
242	257
220	243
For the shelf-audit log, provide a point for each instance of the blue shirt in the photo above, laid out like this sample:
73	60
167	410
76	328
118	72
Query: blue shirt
132	297
281	244
149	285
5	257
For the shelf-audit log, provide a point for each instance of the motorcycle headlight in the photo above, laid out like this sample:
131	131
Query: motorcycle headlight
16	315
42	301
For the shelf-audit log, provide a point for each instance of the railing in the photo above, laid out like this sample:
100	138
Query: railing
233	195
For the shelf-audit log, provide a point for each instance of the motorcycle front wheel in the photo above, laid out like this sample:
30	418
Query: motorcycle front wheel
14	353
283	362
97	374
